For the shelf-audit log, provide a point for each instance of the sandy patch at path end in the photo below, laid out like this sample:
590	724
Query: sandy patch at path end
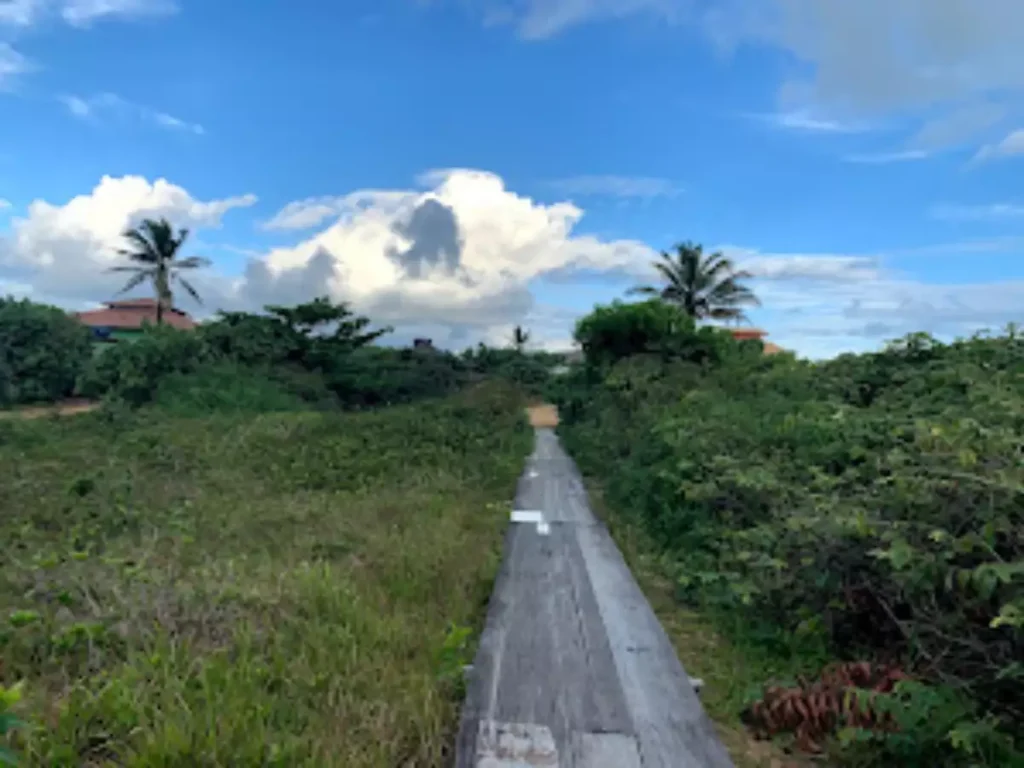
543	415
68	408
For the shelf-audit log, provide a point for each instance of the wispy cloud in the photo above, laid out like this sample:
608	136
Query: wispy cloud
176	124
77	106
542	19
808	122
883	158
955	127
826	267
20	13
95	108
12	64
80	13
4	204
994	211
312	211
643	187
1012	144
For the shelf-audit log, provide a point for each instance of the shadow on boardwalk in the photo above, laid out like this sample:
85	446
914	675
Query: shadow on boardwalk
573	668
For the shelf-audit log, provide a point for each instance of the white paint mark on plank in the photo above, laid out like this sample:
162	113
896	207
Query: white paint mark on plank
515	745
543	529
606	750
531	516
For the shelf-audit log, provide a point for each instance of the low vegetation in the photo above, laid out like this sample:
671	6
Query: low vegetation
221	566
42	352
316	355
244	588
272	544
866	509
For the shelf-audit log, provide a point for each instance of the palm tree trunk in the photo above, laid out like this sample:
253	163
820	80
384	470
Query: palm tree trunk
163	290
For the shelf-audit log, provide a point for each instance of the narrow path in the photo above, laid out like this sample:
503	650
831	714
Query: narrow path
573	668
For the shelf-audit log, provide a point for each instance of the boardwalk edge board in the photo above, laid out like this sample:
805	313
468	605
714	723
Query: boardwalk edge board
559	680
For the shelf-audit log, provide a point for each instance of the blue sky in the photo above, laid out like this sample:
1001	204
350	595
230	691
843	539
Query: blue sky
456	167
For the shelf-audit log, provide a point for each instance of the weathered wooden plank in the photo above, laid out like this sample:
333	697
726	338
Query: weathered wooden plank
572	649
515	745
671	727
605	750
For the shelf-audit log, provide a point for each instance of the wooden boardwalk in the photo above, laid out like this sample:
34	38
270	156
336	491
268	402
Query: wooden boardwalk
573	668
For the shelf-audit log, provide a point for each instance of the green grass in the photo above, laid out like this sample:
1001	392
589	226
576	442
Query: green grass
277	590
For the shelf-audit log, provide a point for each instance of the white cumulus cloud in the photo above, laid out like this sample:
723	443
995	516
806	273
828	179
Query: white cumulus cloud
459	255
454	260
64	250
456	257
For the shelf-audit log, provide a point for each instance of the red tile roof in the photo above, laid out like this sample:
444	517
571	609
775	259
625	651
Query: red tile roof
130	315
747	333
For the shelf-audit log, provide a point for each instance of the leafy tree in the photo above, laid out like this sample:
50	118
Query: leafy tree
619	330
520	338
42	352
311	335
704	286
154	252
324	329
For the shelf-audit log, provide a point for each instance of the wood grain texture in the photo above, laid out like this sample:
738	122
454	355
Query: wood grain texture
572	647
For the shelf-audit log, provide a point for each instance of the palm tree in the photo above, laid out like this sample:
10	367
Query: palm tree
154	252
520	338
705	286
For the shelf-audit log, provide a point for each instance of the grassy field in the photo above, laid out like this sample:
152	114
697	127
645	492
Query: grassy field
280	590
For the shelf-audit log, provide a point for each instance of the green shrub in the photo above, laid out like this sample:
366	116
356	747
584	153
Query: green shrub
531	371
225	388
133	371
250	339
376	376
42	352
873	502
308	386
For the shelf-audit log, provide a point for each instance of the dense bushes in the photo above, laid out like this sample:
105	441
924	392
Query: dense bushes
133	371
379	376
611	333
317	354
42	350
226	388
873	502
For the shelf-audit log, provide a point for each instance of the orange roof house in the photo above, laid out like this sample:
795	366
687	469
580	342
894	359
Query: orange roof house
749	334
129	315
